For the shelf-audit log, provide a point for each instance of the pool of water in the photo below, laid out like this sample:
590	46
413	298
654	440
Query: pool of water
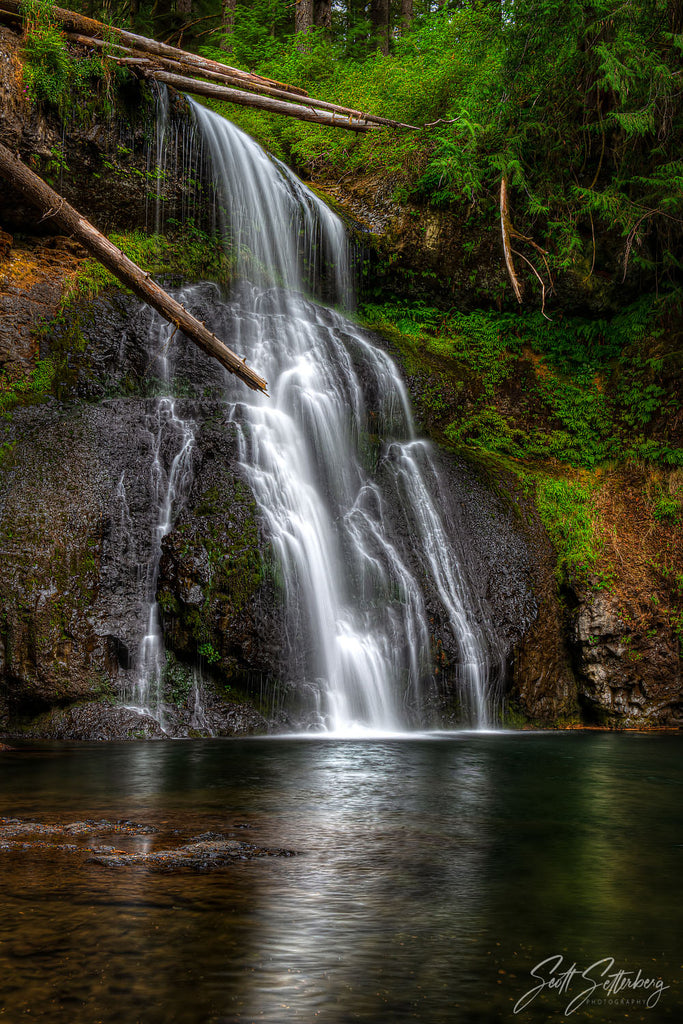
434	875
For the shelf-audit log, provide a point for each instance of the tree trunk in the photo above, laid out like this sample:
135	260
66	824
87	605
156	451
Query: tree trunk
89	33
507	232
322	14
406	15
675	11
87	26
303	16
151	67
379	16
56	207
227	22
184	7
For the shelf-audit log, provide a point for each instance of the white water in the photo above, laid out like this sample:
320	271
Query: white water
172	442
347	491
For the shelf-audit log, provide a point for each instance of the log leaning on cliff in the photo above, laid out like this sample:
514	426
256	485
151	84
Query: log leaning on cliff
56	207
75	22
154	63
248	99
295	101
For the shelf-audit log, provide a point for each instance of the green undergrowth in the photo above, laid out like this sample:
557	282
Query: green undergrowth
191	254
567	511
409	90
522	388
25	390
55	76
593	171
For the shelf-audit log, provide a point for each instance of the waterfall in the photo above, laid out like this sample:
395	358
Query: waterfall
171	442
348	493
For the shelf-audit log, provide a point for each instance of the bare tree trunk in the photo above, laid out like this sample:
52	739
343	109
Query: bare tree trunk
406	15
79	23
322	14
228	22
506	231
248	99
303	16
379	15
149	53
184	7
56	207
152	66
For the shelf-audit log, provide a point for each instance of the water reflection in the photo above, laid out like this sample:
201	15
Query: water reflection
397	849
433	874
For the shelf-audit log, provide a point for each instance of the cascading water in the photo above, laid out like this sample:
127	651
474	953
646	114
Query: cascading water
347	491
171	442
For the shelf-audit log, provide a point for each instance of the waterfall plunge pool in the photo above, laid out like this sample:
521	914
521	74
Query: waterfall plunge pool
433	874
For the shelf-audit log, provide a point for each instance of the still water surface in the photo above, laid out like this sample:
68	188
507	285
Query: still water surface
433	874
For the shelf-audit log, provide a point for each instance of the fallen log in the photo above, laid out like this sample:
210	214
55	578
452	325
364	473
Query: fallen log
74	22
93	33
137	57
56	207
248	99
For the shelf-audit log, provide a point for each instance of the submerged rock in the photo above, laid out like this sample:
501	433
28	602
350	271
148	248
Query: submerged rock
16	828
201	856
206	852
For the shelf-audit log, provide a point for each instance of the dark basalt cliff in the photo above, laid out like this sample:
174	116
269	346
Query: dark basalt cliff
70	611
103	166
72	602
74	542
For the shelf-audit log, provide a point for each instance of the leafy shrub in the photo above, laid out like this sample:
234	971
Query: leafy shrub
209	652
47	65
667	507
51	74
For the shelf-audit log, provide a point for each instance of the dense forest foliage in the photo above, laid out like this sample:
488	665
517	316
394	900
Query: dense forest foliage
577	104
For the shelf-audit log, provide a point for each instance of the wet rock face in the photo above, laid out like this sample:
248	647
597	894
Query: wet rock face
95	721
71	597
542	682
627	676
77	504
216	587
76	494
496	560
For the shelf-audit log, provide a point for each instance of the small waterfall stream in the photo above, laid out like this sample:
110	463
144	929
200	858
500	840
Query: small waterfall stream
172	440
348	493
